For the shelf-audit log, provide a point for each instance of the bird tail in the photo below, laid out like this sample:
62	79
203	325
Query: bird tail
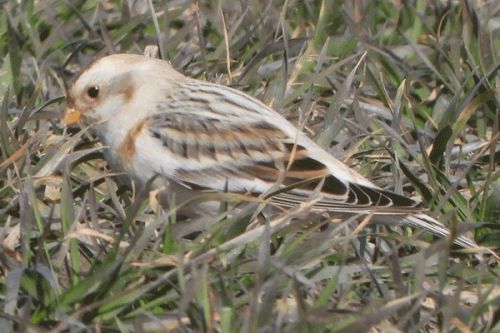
425	222
422	221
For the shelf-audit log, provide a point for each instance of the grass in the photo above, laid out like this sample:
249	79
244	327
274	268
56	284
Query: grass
406	93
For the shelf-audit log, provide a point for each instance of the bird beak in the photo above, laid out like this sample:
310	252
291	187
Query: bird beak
71	116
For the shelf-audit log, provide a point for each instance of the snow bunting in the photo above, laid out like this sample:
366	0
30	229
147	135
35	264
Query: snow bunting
201	136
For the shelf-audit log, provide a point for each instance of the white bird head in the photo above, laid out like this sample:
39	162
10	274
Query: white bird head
108	84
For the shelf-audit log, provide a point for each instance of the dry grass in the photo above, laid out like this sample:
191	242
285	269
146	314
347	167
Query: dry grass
407	94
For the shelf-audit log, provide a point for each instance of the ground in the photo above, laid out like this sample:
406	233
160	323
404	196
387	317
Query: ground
405	92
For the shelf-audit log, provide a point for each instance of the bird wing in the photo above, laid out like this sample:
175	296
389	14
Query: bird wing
222	139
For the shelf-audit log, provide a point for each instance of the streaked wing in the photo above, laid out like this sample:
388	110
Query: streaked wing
225	140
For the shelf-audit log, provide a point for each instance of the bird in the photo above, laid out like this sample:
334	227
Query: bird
200	136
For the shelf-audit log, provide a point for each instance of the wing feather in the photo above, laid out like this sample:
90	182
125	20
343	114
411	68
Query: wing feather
228	140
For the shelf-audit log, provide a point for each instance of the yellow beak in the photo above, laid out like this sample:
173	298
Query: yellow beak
71	116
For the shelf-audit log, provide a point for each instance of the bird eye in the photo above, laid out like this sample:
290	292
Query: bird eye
93	92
